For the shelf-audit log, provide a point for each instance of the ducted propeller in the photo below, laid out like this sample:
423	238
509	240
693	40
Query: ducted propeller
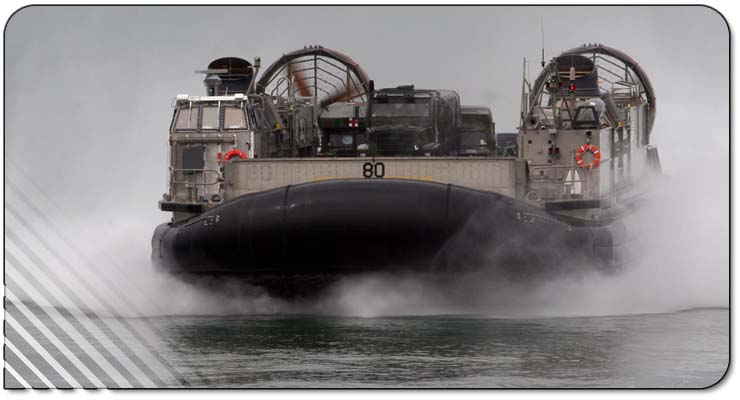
343	95
316	71
297	77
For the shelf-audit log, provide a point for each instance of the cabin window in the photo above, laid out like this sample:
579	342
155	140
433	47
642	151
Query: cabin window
210	117
471	139
401	107
341	139
186	119
234	118
586	118
479	123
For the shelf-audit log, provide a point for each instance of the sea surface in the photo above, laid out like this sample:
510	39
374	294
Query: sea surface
686	349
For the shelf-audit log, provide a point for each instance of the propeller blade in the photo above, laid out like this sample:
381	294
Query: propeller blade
299	80
344	95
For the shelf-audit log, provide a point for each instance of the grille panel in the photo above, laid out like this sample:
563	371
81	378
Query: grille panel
394	143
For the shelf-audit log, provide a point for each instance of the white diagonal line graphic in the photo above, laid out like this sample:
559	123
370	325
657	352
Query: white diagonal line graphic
18	376
114	325
28	363
52	338
148	358
17	228
30	211
69	329
31	192
41	351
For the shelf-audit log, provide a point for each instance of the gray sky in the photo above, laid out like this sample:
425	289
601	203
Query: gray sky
89	88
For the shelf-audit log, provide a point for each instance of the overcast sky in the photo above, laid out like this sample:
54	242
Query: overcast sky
88	89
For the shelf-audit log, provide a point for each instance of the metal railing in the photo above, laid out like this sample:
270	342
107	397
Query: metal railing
192	183
194	171
545	167
565	185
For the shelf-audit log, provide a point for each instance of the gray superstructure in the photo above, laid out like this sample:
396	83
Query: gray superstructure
288	128
585	132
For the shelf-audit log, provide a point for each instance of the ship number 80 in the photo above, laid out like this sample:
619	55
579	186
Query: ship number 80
373	170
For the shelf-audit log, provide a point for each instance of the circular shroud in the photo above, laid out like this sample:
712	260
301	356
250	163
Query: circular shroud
316	71
236	75
618	61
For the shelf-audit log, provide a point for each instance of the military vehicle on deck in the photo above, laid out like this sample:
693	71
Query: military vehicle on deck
477	133
404	121
507	144
343	130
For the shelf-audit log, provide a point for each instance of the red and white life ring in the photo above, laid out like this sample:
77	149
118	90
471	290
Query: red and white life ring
593	149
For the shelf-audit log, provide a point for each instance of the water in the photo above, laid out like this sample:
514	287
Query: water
680	349
685	349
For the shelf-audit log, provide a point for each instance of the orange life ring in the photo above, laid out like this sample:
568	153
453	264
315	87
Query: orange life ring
235	152
593	149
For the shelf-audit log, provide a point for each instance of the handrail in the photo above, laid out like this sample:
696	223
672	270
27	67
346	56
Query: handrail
192	182
536	178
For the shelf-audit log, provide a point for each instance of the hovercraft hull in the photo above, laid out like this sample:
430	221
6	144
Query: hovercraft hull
323	230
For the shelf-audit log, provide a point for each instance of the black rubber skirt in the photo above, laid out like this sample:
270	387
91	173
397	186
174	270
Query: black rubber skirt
344	227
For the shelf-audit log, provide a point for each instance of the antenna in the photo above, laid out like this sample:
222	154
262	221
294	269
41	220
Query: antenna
542	32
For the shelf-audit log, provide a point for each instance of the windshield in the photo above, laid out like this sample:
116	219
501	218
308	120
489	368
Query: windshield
585	118
210	117
345	139
476	123
187	118
410	107
234	118
474	138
